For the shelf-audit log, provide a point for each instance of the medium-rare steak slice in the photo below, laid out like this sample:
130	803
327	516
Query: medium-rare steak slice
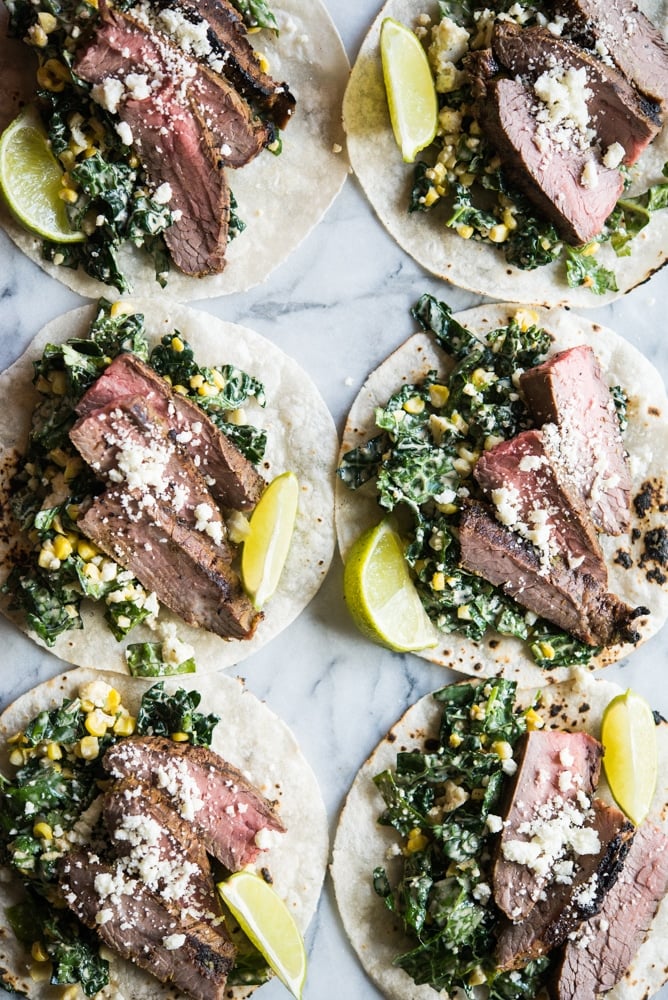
568	598
231	478
529	498
160	848
226	811
572	896
127	442
188	571
569	390
596	958
138	925
621	32
618	114
546	815
554	176
240	63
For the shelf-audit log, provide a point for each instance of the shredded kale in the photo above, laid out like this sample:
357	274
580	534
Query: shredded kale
256	14
582	268
431	435
162	714
441	895
146	659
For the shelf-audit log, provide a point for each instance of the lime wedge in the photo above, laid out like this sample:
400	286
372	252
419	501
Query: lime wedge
628	735
380	594
267	543
31	179
409	84
266	920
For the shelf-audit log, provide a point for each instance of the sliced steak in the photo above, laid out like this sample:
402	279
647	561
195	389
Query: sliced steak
127	442
240	63
190	573
603	949
138	925
481	66
225	810
543	820
620	31
232	479
551	174
160	848
618	113
570	599
572	896
569	391
529	498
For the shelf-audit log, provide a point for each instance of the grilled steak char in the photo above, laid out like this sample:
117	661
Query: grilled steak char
570	599
571	899
595	959
627	37
549	173
137	924
569	391
224	809
544	819
230	477
523	483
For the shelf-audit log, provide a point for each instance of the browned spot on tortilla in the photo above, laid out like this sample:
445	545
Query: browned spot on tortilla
623	558
654	411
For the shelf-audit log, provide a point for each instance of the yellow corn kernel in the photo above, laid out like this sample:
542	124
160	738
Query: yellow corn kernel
47	21
86	549
16	738
466	178
263	61
46	559
416	841
177	344
196	381
69	195
37	36
438	581
125	724
590	250
179	737
89	747
477	712
498	233
113	701
414	405
502	749
237	416
70	993
455	740
438	395
533	720
477	977
42	830
62	547
526	318
547	650
72	469
462	467
54	751
218	380
181	389
464	612
466	232
120	308
39	952
92	573
17	758
431	197
97	722
207	390
58	382
40	972
72	511
509	219
447	508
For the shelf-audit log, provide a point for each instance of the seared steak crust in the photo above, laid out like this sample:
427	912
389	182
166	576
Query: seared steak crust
231	478
572	600
539	797
224	809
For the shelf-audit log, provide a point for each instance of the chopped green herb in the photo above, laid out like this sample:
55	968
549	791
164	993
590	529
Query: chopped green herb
145	659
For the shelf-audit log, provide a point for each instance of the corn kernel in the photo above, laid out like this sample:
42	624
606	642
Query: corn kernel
438	395
89	747
464	612
97	722
86	549
37	36
263	61
125	724
477	977
218	380
17	758
431	197
466	232
69	195
177	344
547	650
16	738
179	737
72	469
414	405
62	547
498	233
526	318
70	993
416	841
92	573
207	390
120	308
502	749
113	702
181	389
54	751
40	972
237	417
42	830
533	720
455	740
590	250
438	581
196	381
39	952
478	712
509	220
47	559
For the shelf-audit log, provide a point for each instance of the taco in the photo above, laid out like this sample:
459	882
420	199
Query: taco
182	422
449	437
476	209
417	827
271	821
260	121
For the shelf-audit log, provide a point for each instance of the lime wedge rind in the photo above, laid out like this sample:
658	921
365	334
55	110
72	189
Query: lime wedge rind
267	544
266	920
409	86
31	180
630	760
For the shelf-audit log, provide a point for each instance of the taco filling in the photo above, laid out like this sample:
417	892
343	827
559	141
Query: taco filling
135	486
506	471
146	106
118	819
509	870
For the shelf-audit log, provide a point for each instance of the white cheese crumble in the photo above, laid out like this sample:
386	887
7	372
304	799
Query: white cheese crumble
173	941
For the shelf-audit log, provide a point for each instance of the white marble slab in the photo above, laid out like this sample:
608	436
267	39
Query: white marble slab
340	305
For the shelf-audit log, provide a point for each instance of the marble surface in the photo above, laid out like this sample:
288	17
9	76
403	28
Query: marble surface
340	304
